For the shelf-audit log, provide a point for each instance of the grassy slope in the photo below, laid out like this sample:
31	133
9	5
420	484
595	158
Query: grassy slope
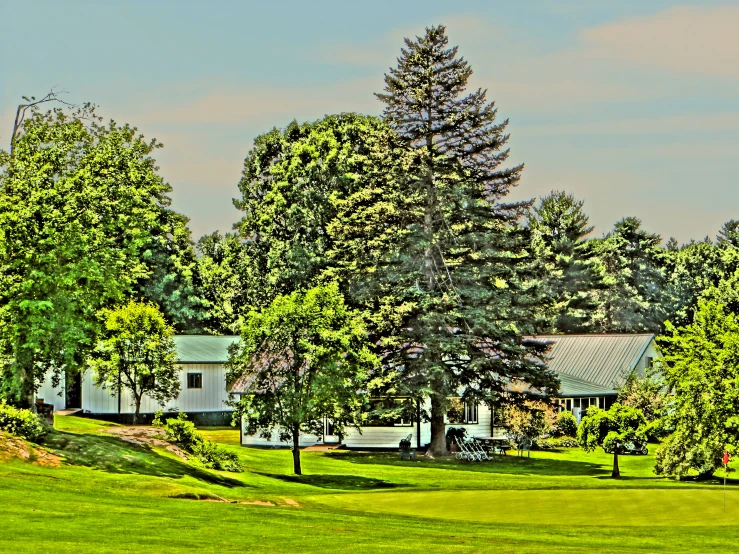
111	496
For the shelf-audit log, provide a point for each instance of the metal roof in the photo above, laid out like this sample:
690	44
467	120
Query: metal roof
600	362
203	349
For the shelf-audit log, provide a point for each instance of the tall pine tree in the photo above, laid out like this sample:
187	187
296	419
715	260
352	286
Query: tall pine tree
463	271
574	276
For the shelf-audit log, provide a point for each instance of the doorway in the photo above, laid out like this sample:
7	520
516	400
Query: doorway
73	390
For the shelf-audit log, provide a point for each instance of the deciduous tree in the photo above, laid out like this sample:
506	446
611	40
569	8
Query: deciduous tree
612	430
78	200
303	358
137	352
701	368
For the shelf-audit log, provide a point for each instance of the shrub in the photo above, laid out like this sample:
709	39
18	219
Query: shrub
455	435
561	442
566	424
21	423
183	433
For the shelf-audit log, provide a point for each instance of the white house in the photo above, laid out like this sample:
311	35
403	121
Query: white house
591	368
203	393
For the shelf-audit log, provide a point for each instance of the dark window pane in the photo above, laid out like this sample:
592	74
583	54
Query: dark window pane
194	380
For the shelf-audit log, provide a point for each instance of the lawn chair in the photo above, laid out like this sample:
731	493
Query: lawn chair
405	449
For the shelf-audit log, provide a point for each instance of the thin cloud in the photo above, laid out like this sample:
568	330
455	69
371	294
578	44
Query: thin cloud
696	40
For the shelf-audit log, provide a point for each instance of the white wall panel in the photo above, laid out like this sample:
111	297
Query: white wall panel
209	398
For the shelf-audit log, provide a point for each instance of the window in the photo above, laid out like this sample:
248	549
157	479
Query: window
650	362
194	380
461	412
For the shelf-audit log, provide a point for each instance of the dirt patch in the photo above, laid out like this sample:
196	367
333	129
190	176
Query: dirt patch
144	435
13	447
291	502
203	496
259	503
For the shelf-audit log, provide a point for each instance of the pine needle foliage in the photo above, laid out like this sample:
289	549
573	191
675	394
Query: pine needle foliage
462	273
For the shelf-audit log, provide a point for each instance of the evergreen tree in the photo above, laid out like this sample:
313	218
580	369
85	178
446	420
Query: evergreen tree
574	276
463	271
637	300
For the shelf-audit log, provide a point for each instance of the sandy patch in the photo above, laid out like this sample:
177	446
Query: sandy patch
145	435
13	447
258	503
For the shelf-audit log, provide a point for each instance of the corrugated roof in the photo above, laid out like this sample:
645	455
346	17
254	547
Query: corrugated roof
203	349
602	362
573	387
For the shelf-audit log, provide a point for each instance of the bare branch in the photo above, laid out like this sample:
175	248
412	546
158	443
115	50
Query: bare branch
20	113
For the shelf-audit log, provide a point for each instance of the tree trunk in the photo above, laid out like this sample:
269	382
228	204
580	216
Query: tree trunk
438	434
615	473
296	450
138	408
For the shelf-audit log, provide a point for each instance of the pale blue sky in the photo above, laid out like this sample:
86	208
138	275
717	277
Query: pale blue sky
633	106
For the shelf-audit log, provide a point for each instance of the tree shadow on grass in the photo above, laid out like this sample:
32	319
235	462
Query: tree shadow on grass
113	455
510	464
338	482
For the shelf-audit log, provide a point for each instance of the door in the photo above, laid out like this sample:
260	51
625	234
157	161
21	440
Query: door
73	390
328	432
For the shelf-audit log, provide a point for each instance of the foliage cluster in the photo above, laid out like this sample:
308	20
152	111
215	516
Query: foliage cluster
525	425
455	435
137	352
558	442
701	369
21	422
565	425
183	433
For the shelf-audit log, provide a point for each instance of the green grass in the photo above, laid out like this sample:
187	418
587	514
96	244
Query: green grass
112	496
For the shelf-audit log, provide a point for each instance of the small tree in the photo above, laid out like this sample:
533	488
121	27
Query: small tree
300	360
566	424
525	425
611	429
138	354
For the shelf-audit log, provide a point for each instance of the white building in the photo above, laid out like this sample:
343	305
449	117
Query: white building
203	393
591	368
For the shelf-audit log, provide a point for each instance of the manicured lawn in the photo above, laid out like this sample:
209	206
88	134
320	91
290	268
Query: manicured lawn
112	496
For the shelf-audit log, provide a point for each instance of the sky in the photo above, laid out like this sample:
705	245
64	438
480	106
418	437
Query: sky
631	106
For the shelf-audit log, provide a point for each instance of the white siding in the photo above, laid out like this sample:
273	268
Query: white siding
274	440
209	398
369	437
52	395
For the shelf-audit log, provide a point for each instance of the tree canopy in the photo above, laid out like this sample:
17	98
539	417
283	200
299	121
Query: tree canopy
301	360
137	353
701	369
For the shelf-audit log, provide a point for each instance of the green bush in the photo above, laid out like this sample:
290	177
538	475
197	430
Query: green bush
183	433
560	442
21	423
566	424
